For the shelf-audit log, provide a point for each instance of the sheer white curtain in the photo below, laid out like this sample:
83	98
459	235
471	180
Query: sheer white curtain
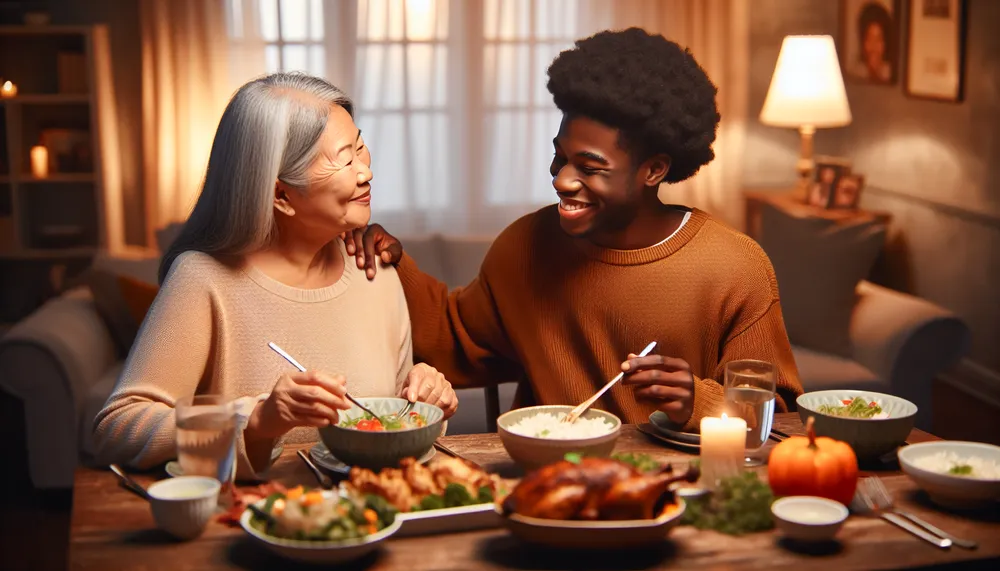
451	94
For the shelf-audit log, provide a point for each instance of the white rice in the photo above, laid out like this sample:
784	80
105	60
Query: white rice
942	462
548	425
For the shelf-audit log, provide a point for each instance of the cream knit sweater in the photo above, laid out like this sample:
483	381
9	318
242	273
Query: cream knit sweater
208	330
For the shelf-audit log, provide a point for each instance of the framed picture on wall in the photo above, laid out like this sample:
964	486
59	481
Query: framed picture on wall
869	40
935	49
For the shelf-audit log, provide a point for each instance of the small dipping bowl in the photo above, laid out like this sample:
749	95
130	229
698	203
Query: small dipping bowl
808	518
183	505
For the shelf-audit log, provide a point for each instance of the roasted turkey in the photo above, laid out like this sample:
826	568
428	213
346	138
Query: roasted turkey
594	489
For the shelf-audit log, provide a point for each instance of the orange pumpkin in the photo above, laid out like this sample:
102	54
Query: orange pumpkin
811	466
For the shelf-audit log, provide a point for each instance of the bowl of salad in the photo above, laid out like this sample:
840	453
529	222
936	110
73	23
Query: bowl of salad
381	442
320	526
872	423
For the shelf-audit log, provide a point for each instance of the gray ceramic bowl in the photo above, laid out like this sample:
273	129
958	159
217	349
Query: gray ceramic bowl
533	452
870	438
377	450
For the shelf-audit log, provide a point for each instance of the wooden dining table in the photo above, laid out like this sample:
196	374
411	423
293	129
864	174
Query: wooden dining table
113	529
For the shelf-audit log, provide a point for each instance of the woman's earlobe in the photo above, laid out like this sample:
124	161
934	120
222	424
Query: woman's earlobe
281	203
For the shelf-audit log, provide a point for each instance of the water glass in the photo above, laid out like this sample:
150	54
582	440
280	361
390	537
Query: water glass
749	393
206	440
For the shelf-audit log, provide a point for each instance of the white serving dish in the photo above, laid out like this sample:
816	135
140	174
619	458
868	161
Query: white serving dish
808	518
625	534
947	489
322	552
449	520
184	505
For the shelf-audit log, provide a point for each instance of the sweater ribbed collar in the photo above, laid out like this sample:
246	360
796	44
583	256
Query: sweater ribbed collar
644	255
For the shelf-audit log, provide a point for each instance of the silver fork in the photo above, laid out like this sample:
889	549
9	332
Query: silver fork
883	499
864	503
403	411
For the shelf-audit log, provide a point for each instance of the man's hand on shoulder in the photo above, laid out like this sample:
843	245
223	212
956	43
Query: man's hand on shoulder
372	243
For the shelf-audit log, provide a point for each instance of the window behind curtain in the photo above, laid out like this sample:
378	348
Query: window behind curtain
450	96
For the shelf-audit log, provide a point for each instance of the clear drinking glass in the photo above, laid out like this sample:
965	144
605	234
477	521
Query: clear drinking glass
206	440
749	394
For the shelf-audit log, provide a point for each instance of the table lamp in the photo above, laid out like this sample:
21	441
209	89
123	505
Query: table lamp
806	92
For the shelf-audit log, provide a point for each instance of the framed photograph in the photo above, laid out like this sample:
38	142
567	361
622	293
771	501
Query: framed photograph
869	40
829	171
847	193
935	49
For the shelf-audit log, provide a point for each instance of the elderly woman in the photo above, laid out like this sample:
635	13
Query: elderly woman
260	260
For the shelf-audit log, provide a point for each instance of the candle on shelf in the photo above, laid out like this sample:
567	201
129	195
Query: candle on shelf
723	443
39	161
8	89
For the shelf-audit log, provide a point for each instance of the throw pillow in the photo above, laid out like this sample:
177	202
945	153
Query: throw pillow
818	263
120	301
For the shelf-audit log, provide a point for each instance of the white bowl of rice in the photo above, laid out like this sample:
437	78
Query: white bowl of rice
536	436
954	474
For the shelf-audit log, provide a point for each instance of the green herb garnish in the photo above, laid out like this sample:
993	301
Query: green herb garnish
857	408
573	457
960	470
641	462
741	504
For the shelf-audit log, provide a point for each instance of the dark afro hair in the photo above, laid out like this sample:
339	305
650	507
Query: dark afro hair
873	14
649	88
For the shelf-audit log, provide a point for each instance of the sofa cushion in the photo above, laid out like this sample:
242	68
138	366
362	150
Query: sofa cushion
138	296
818	263
823	371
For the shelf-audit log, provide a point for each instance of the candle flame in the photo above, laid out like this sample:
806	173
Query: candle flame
724	417
7	85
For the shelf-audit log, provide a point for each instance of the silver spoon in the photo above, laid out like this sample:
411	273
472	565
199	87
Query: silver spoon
299	366
129	484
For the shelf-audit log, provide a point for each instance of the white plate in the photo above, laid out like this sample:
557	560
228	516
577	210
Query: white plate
174	470
325	552
449	520
324	459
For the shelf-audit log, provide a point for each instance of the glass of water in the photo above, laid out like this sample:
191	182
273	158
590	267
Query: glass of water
749	394
206	440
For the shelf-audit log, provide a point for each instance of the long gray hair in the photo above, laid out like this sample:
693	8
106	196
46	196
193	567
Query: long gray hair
267	133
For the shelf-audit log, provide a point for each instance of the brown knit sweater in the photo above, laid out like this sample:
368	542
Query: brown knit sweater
559	314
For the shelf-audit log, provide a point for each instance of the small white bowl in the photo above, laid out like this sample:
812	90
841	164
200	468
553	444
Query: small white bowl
808	518
182	506
949	490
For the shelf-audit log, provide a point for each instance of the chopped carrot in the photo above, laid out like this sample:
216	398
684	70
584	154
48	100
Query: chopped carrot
371	516
295	493
312	498
372	529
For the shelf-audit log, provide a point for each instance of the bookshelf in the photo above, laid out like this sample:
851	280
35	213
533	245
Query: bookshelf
51	223
59	213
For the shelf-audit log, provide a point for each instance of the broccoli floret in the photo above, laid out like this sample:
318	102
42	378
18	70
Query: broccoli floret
456	495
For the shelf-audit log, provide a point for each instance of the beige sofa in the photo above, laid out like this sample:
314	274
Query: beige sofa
60	361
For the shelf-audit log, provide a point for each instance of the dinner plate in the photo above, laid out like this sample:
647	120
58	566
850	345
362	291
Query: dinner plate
324	459
449	520
174	470
663	424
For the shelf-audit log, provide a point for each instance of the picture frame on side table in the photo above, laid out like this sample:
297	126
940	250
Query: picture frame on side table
935	50
869	40
828	172
847	193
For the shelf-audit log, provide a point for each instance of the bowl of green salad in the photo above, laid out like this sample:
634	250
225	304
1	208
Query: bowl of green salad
873	424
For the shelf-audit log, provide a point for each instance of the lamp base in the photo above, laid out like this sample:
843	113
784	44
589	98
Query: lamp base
805	165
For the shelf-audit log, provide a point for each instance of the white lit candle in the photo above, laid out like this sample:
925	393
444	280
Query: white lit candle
39	161
723	443
8	89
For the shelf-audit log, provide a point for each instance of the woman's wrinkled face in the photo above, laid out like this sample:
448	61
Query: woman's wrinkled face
338	196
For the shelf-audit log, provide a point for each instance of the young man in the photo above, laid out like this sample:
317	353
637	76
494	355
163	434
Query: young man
566	292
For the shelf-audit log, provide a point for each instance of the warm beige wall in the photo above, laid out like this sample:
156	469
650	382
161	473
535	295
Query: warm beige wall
935	166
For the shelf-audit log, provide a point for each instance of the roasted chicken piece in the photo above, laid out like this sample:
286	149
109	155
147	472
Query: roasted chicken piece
593	489
405	486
